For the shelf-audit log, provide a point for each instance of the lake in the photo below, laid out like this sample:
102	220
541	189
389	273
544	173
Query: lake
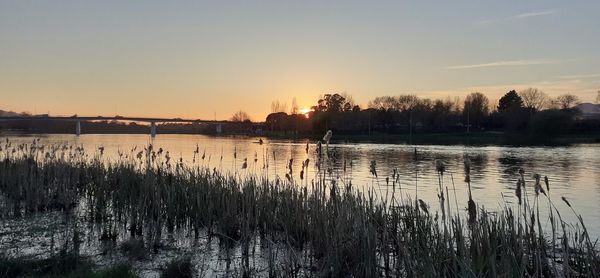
573	171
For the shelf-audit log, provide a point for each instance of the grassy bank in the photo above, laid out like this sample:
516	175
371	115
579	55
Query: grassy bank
326	226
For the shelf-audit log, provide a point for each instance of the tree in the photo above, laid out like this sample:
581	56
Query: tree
295	107
240	116
510	100
567	101
534	99
598	97
386	103
407	102
276	120
331	103
511	114
277	106
443	113
476	108
348	102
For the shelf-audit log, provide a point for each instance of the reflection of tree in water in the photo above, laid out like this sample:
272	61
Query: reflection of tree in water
510	165
558	167
565	167
400	159
479	165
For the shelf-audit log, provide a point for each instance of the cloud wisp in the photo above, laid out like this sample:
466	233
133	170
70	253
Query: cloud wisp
519	16
587	91
529	62
579	76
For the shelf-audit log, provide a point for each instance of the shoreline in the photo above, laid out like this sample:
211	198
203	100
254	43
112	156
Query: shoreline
455	138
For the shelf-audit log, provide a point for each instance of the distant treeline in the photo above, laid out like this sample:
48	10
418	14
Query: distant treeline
529	111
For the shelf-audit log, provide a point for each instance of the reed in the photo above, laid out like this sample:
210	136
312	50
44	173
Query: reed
325	229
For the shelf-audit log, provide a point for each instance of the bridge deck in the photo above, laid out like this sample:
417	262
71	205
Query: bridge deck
116	118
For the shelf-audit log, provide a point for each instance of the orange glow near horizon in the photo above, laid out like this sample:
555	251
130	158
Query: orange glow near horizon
305	111
210	59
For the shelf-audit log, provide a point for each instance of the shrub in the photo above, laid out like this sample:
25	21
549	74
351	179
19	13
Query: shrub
551	122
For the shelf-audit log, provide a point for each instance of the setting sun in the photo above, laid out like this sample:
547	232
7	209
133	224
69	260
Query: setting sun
299	138
305	111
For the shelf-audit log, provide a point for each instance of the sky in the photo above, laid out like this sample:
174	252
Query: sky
209	59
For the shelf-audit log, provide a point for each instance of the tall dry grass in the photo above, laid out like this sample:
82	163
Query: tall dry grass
327	227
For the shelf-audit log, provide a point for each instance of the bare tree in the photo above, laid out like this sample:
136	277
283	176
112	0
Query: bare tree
240	116
407	102
384	103
553	103
349	102
598	97
476	108
567	101
295	107
277	106
534	99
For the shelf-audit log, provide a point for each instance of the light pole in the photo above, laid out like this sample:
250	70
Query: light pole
468	117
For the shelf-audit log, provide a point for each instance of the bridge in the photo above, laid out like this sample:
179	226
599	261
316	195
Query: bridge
77	120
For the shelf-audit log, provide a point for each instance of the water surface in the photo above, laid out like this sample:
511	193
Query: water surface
573	171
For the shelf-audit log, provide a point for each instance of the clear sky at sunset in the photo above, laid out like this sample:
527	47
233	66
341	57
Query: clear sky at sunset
197	59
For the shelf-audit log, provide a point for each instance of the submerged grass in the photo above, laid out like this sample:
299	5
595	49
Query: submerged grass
179	267
327	227
61	265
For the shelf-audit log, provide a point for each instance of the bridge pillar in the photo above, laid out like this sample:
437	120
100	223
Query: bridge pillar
152	129
78	128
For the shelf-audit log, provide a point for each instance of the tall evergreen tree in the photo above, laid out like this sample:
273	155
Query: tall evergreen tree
510	100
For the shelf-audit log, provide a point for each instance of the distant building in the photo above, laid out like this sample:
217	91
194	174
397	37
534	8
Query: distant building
589	110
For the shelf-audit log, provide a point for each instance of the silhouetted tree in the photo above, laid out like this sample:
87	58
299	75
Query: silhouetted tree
510	100
331	103
276	121
384	103
295	108
277	106
567	101
534	99
407	102
476	109
240	116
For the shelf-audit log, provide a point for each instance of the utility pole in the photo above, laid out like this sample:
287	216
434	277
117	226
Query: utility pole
468	117
369	122
410	126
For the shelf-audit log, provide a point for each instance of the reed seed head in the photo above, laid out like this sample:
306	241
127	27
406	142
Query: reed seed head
440	167
423	206
327	136
373	168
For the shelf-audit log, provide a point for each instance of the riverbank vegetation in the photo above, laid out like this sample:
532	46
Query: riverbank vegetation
528	113
307	224
531	114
